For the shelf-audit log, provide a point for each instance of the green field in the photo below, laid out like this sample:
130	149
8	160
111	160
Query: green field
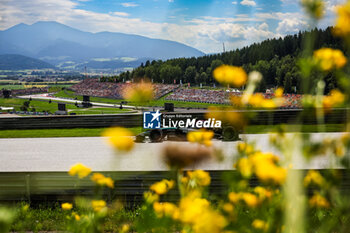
48	133
50	217
41	106
38	105
12	87
95	132
99	111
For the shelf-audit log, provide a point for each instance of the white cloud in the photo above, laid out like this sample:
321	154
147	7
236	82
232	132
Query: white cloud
234	3
171	0
291	26
248	3
204	33
122	14
129	4
263	26
280	15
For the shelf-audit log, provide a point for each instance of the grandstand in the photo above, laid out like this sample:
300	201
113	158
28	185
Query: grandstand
93	87
199	95
27	91
291	101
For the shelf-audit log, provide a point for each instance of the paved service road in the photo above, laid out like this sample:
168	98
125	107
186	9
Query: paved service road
58	154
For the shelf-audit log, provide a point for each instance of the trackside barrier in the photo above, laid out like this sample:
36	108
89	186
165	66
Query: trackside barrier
60	122
257	117
129	186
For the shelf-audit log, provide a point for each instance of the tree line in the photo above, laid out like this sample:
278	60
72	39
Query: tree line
275	58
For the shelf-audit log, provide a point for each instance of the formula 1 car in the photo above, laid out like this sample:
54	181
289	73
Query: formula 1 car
180	134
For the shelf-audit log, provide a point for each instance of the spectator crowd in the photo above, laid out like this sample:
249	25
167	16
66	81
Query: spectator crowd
291	101
199	95
27	91
93	87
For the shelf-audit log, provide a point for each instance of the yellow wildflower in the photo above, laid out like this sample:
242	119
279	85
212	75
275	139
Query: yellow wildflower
314	177
191	208
266	169
201	137
317	201
250	199
243	147
150	197
66	206
268	103
329	58
262	193
120	138
234	197
345	138
209	221
77	217
25	207
245	167
140	92
256	100
342	26
258	157
166	209
269	172
235	119
260	224
336	98
314	7
98	205
279	92
125	228
163	186
198	213
201	177
80	170
339	148
235	76
228	207
101	180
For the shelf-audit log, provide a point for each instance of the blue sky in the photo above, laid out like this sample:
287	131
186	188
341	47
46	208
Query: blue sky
204	25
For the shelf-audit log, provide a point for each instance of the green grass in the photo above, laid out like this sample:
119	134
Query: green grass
12	87
99	111
52	107
96	132
47	133
37	104
50	217
257	129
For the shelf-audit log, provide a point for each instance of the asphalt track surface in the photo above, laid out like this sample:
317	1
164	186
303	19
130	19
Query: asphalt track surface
48	97
58	154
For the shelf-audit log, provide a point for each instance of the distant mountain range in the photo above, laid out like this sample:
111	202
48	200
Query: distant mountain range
19	62
65	46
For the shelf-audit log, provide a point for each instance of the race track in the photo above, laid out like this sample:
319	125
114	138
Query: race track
58	154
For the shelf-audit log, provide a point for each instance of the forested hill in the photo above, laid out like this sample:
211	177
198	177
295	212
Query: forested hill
19	62
274	58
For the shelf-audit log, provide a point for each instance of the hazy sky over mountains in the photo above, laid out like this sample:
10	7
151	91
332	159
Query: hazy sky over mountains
204	25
